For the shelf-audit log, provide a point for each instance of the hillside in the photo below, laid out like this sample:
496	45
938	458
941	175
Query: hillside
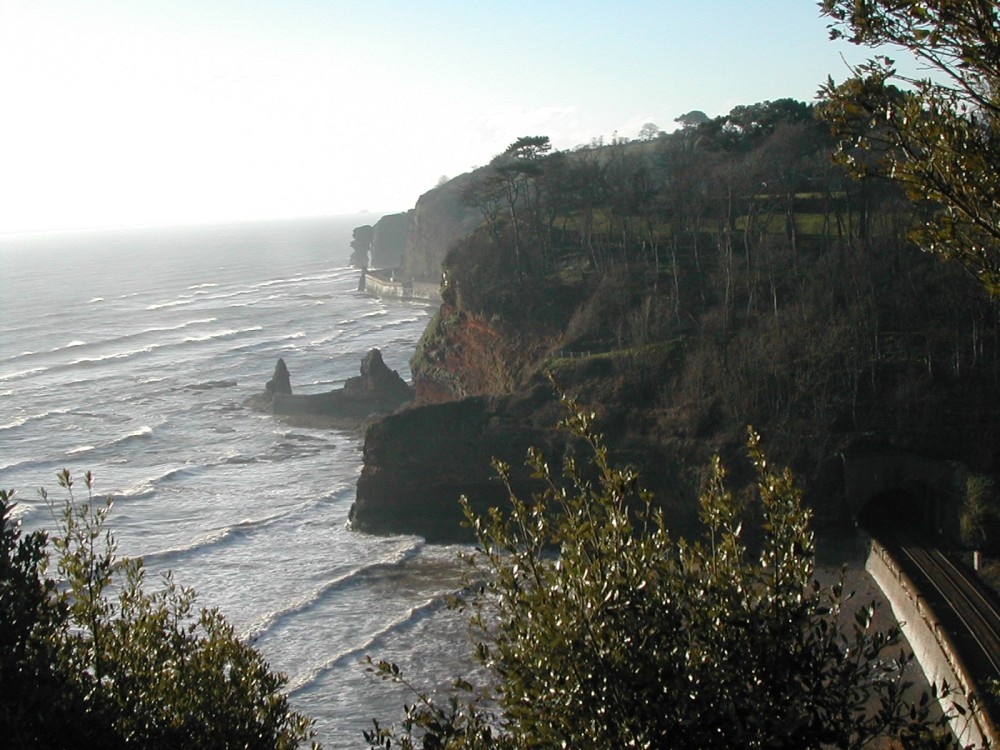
683	288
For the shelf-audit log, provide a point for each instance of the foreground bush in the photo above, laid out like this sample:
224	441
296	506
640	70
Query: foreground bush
631	638
97	661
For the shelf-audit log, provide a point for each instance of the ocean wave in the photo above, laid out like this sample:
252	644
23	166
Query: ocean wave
80	449
203	542
130	353
326	339
202	286
110	341
220	335
173	303
355	577
220	537
142	433
95	300
27	418
21	374
16	422
115	355
378	641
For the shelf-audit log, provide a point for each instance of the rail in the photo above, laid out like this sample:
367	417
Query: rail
962	617
978	637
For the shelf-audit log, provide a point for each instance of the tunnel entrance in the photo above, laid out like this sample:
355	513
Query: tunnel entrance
907	509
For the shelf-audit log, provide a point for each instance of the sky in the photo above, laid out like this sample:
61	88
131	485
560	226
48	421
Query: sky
118	113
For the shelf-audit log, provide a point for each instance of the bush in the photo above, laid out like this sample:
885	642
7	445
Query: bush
980	519
631	638
107	664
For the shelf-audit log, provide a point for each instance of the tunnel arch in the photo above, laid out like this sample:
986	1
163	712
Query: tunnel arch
908	507
905	488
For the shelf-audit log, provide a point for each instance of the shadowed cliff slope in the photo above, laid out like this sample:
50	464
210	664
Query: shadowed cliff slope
726	275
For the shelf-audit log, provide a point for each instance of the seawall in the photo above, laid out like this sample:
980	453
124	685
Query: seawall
931	646
385	284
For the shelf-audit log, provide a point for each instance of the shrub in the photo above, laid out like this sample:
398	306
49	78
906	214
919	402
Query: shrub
125	667
631	638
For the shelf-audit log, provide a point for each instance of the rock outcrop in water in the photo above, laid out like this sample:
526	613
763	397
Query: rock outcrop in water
377	390
281	381
420	461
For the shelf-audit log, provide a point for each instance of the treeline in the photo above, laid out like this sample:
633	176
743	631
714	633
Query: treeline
789	291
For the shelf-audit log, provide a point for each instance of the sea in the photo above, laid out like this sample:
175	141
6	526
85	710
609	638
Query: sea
130	354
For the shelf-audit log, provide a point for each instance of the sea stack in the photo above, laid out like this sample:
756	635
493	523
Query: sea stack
280	382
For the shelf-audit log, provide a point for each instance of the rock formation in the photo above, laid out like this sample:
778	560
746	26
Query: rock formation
280	382
377	390
419	462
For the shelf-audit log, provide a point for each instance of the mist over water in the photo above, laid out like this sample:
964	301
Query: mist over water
130	354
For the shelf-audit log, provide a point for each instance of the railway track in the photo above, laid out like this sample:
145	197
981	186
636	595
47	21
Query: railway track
967	612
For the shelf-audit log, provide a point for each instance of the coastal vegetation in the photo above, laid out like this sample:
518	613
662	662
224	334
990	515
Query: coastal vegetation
93	658
728	273
755	267
751	268
633	637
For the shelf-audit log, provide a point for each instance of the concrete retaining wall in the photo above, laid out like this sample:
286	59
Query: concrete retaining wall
931	646
378	286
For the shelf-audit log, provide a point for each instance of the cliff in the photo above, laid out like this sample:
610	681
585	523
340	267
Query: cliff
382	245
440	217
680	313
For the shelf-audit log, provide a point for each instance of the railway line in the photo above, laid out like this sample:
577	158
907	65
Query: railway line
965	609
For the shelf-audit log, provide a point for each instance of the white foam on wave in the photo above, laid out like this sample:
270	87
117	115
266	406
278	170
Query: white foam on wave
219	335
142	433
128	353
272	619
202	286
26	418
378	641
220	535
175	303
178	327
116	355
80	449
95	300
21	374
14	424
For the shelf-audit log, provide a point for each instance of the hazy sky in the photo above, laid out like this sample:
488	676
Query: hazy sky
139	112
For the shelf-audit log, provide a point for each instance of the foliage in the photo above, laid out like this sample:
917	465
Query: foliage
980	518
631	638
941	138
40	707
128	667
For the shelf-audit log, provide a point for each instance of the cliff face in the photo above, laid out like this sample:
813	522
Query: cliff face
388	243
419	462
440	217
680	335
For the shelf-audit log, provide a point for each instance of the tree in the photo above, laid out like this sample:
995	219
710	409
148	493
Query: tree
122	666
940	138
649	132
631	638
692	119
